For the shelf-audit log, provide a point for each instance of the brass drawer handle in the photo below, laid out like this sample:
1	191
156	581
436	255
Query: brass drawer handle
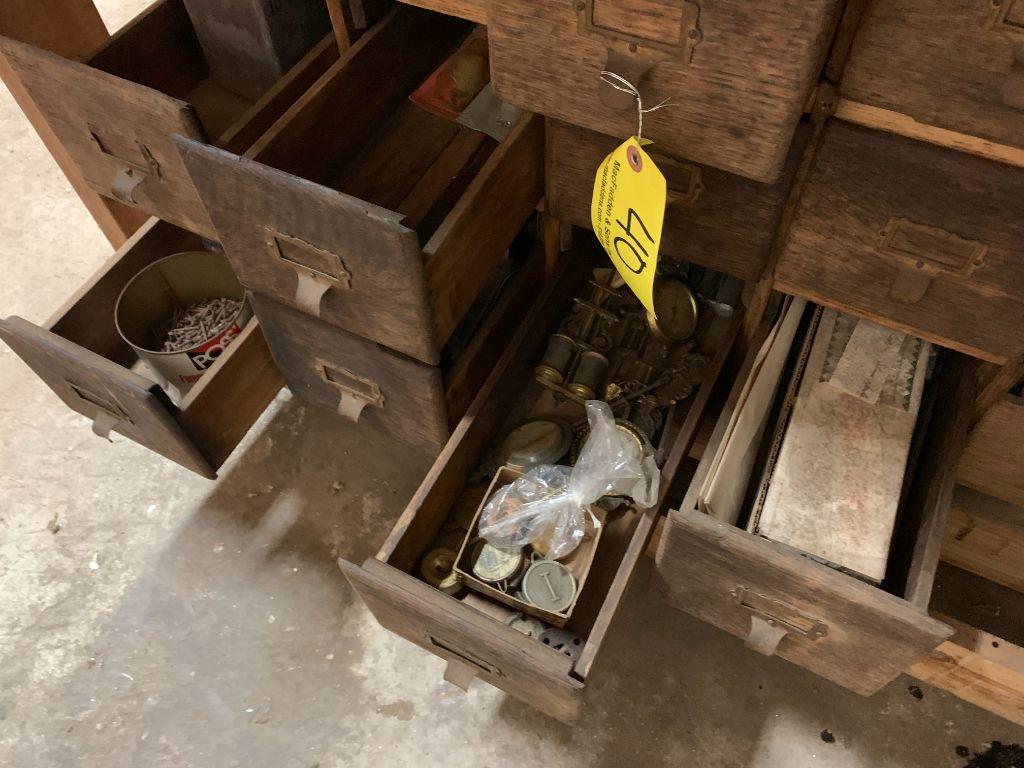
923	253
317	270
632	55
356	392
771	620
130	174
461	677
109	412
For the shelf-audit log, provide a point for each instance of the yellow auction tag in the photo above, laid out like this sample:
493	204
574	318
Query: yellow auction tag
628	212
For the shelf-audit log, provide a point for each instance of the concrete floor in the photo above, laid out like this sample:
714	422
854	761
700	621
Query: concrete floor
177	622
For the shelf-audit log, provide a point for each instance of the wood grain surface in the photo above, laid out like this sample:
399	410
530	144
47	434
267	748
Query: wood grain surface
734	106
993	460
414	408
143	410
872	636
901	62
250	203
956	279
727	224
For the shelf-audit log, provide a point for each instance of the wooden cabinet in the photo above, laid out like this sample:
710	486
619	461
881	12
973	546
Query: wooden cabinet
713	218
735	75
785	603
912	235
945	65
83	359
366	211
115	112
474	643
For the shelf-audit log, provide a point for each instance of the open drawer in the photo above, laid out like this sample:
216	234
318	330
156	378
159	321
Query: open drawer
83	359
472	640
365	210
846	629
412	401
116	111
913	236
735	75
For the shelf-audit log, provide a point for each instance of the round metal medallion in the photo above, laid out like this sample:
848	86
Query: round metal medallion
549	585
495	564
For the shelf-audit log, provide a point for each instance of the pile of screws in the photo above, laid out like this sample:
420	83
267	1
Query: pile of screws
196	323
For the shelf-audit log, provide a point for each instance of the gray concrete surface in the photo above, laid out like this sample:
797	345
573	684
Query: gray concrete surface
173	621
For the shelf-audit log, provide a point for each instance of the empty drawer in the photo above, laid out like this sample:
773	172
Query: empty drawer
367	211
115	112
912	235
736	75
82	358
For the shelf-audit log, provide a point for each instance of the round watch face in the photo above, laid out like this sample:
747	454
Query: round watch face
676	310
549	585
494	564
541	441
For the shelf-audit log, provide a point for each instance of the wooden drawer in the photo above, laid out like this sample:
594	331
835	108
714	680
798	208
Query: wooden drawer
474	643
782	602
713	218
914	236
736	74
116	111
901	75
363	209
474	10
82	358
983	662
412	401
993	461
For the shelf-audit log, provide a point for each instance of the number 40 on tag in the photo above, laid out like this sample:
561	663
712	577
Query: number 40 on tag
628	213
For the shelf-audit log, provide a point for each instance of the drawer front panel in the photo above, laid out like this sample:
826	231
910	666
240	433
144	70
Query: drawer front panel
837	627
736	74
113	397
903	60
912	235
350	263
713	218
470	640
354	377
117	131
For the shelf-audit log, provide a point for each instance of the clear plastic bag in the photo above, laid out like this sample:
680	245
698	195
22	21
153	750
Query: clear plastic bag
549	503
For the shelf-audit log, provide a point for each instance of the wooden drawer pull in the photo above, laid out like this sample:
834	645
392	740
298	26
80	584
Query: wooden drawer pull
464	667
771	620
317	270
356	391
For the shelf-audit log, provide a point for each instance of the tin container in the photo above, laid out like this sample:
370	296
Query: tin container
578	563
151	298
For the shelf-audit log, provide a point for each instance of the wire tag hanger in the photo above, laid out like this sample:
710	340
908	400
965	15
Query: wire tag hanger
619	83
